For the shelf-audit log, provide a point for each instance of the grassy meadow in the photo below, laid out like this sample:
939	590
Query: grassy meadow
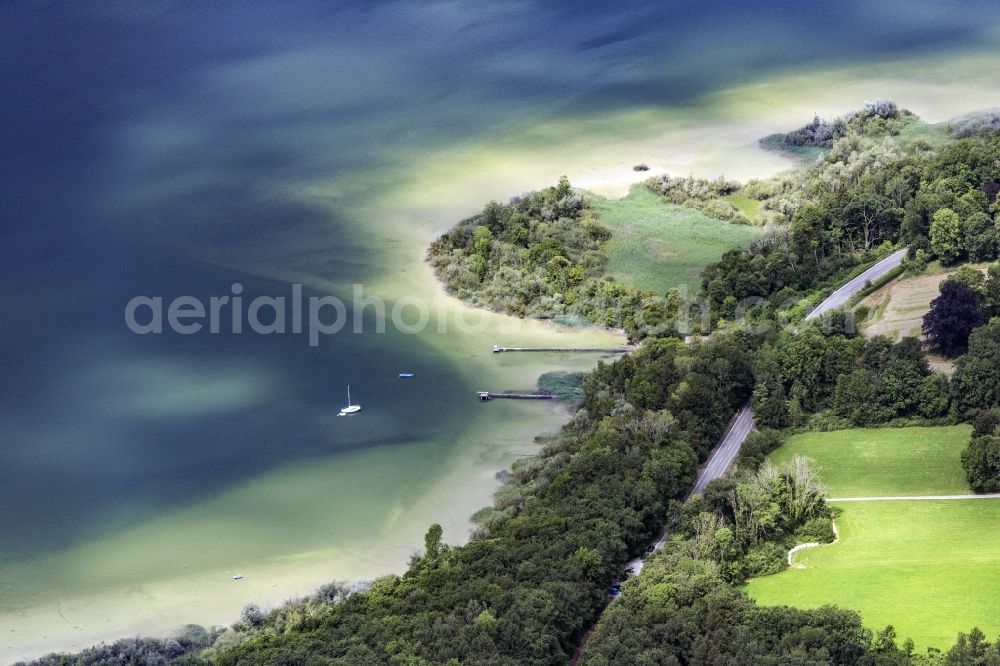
929	568
888	461
657	246
746	205
934	134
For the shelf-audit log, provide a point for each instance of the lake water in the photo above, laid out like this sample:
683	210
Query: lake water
168	149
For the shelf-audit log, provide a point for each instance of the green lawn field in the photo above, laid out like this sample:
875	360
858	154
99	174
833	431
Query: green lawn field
657	246
929	568
887	461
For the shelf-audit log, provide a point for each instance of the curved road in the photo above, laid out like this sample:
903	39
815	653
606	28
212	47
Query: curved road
725	452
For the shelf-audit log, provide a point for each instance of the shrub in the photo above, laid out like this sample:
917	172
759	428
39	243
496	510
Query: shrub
563	385
758	446
252	616
882	108
987	422
981	122
815	530
819	133
981	461
765	559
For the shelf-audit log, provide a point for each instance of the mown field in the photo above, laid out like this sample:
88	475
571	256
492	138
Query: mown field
658	246
889	461
929	568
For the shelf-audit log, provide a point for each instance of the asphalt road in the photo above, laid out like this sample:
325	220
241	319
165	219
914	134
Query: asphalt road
843	294
726	451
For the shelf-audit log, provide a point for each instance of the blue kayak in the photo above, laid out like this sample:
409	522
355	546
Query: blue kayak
404	375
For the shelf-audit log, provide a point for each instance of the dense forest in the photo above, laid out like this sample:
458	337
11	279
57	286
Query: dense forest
845	382
534	578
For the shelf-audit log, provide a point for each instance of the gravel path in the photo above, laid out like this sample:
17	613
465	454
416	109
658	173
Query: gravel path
903	498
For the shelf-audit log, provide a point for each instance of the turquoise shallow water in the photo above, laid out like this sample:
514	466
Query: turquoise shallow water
162	149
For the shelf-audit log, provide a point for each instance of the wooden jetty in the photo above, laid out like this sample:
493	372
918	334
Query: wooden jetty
489	395
592	350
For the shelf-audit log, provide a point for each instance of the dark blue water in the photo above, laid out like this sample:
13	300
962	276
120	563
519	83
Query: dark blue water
135	137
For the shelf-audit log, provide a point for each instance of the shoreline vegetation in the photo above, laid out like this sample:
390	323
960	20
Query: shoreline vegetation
534	578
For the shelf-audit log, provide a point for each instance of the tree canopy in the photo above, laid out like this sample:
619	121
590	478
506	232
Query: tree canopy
952	317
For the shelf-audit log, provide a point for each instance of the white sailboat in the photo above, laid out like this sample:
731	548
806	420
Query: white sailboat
351	408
